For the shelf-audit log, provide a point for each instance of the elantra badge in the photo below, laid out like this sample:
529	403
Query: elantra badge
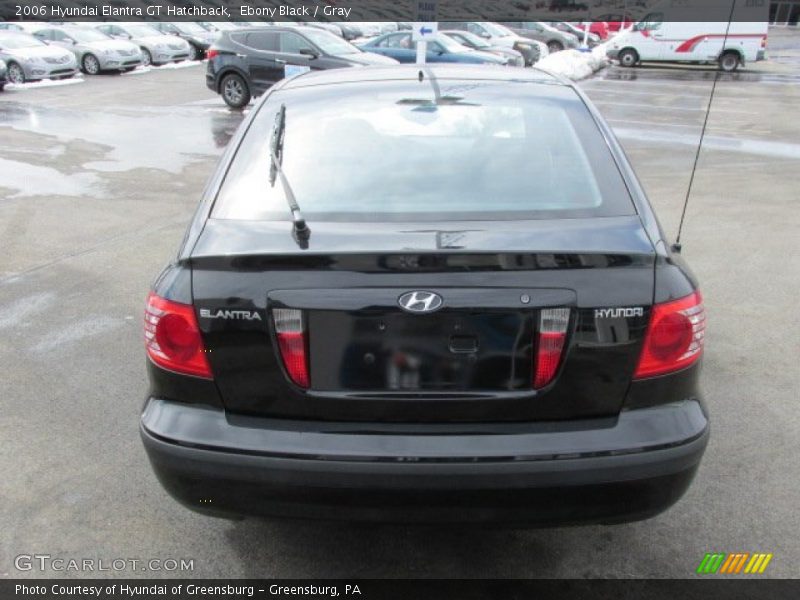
420	302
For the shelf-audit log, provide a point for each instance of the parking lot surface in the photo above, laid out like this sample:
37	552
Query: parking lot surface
97	183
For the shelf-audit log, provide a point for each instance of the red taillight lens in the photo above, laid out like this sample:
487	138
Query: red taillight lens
675	337
212	53
292	343
550	339
172	337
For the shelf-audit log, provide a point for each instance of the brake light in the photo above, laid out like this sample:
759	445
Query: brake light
550	341
764	42
212	53
172	337
675	337
292	343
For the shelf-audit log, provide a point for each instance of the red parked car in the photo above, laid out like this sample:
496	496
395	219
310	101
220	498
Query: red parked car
599	28
617	22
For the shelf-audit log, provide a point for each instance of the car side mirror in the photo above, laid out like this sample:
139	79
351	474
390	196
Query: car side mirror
309	53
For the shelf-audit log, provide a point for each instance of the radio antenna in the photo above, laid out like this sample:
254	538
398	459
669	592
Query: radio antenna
676	247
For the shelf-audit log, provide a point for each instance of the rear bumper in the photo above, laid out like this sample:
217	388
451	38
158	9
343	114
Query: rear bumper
606	470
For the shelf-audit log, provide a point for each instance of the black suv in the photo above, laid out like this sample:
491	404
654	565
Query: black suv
244	63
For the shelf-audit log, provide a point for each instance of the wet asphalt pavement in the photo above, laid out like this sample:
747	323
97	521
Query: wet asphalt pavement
97	183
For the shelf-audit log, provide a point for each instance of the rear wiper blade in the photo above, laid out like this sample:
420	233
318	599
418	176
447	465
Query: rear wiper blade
300	231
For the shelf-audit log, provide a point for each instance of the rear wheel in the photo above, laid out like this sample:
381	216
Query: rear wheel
555	46
628	57
15	73
194	52
729	61
234	91
90	64
147	58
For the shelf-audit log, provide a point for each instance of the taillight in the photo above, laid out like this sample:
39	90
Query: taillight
764	42
292	342
674	338
550	339
172	337
212	53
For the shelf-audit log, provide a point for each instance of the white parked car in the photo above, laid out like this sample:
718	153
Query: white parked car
94	50
157	48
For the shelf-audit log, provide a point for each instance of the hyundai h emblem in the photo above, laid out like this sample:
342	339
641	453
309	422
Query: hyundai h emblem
420	302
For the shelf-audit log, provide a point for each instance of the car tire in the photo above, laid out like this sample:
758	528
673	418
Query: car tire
2	86
234	91
194	52
16	74
554	46
628	57
729	61
90	65
147	58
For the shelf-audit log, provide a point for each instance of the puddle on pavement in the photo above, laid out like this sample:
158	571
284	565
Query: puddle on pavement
726	144
166	139
682	74
24	179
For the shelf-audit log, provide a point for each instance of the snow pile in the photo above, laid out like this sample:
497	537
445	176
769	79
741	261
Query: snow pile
44	83
574	64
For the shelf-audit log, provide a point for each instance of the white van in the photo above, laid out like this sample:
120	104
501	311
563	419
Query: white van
656	38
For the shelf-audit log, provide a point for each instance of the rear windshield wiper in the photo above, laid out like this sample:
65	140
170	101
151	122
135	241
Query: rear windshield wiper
300	231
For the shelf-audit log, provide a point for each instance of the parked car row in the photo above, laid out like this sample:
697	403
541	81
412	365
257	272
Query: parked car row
244	62
35	51
27	58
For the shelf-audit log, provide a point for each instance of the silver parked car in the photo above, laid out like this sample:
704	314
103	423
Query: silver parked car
30	59
94	50
157	48
199	39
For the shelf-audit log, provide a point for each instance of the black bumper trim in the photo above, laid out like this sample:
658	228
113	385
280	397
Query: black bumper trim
633	432
484	480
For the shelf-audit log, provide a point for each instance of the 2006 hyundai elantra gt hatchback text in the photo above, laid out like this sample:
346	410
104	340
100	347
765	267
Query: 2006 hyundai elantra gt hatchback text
425	294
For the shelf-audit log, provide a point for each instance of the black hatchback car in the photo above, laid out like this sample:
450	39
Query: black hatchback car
246	62
376	315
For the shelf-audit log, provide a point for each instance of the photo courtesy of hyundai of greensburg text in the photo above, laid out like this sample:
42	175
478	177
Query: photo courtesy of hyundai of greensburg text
413	299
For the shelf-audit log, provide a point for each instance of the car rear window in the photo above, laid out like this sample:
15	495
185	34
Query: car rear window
427	151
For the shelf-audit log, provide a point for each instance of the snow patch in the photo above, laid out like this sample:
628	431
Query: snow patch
174	65
44	83
574	64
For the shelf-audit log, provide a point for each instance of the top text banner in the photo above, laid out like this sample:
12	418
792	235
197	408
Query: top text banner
384	10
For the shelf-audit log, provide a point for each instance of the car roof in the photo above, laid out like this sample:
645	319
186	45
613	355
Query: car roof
410	72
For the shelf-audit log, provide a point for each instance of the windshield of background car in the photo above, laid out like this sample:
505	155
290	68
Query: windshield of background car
476	41
449	44
497	30
392	151
329	43
87	35
141	31
15	42
190	28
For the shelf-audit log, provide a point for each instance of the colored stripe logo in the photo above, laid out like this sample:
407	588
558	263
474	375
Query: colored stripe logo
734	563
